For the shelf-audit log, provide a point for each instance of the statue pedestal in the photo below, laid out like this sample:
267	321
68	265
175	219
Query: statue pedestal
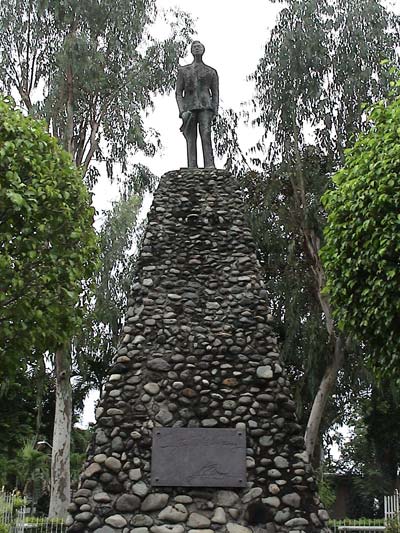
197	351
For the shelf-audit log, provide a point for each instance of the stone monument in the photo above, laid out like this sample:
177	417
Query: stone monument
196	431
197	96
198	353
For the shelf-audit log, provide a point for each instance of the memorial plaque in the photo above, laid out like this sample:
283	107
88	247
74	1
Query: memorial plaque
196	457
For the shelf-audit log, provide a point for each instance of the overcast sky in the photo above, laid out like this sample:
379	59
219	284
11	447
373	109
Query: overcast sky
234	34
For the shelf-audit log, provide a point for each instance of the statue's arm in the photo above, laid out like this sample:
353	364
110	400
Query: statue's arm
179	91
215	92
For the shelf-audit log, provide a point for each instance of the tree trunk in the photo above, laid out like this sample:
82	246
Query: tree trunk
325	389
60	458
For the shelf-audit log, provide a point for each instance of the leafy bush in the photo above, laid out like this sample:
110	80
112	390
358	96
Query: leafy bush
48	244
4	528
362	248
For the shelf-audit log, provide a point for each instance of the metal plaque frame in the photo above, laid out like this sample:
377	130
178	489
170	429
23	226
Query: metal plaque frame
198	457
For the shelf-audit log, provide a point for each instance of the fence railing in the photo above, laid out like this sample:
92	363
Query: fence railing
392	507
17	519
359	525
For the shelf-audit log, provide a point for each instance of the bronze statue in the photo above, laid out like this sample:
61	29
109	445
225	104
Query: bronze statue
197	95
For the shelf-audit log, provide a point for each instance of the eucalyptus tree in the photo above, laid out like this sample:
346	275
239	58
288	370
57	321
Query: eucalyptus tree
323	61
119	240
89	69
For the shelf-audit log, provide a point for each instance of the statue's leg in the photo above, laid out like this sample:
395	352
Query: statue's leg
191	142
205	119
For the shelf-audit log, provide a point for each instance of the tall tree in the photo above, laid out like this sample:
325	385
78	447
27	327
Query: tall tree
321	64
362	239
90	69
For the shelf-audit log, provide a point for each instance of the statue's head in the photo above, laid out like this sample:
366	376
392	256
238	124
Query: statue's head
197	48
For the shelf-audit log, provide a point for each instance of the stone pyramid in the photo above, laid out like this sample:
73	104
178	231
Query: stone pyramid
197	351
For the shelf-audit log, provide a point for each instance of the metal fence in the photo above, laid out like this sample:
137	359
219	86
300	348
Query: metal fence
360	525
392	507
17	519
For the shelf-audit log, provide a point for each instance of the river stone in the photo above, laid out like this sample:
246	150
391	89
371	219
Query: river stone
323	515
293	499
281	516
152	388
237	528
102	497
266	440
140	530
265	372
168	528
104	529
116	520
198	521
142	520
281	462
135	474
219	516
100	458
112	463
273	501
92	470
155	502
297	522
84	517
226	498
252	494
158	364
127	503
174	513
164	416
140	489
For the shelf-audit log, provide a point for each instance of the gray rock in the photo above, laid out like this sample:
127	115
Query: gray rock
209	422
92	470
266	441
84	517
265	372
100	458
155	502
168	528
140	489
252	494
281	516
164	416
117	444
116	520
219	516
226	498
102	497
152	388
135	474
297	522
140	530
127	503
158	364
95	523
112	463
293	499
101	437
174	513
281	462
273	501
237	528
198	521
183	498
142	520
104	529
323	515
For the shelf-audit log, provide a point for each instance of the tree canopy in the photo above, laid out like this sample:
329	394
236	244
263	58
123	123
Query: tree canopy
362	248
48	244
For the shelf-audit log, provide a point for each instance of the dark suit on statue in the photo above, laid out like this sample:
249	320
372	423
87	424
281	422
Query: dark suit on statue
197	91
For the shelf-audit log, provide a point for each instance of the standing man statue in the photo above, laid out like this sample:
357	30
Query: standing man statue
197	95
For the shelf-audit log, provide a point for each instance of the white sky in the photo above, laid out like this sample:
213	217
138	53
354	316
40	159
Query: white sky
234	34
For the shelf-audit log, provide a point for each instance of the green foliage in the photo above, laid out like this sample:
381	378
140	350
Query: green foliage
48	244
361	254
100	67
326	492
96	344
4	528
393	525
